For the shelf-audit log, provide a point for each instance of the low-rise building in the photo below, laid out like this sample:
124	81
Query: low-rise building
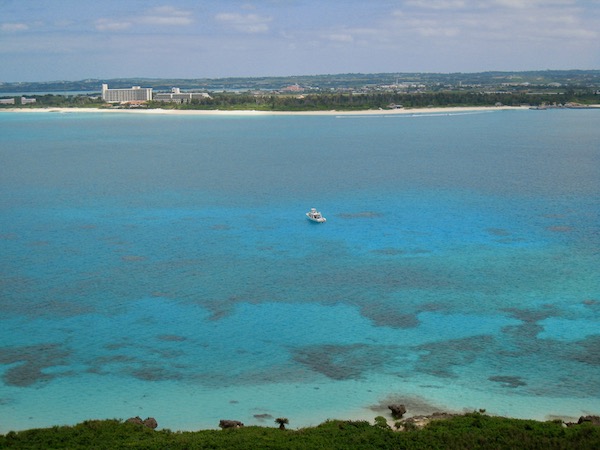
176	96
27	101
7	101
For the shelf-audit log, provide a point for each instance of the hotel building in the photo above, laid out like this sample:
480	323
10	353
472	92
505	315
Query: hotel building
134	94
176	96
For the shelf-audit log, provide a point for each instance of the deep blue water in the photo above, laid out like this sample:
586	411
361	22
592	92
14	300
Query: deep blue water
163	266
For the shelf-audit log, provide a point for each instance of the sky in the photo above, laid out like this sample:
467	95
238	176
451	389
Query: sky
51	40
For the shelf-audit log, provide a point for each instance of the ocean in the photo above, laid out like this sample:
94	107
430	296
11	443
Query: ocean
162	266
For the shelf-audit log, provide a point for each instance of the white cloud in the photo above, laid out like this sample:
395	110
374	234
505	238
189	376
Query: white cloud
340	37
437	4
13	27
246	23
524	4
167	16
112	25
498	21
160	16
426	25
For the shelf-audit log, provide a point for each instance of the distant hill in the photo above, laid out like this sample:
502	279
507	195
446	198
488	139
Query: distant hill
569	78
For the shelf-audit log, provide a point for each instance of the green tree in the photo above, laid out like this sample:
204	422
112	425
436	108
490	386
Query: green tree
282	421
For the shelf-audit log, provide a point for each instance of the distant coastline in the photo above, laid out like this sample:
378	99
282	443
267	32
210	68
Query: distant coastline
217	112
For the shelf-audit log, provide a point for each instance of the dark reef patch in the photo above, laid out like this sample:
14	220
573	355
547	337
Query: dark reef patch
171	338
591	303
384	316
560	228
133	258
344	362
65	308
26	374
116	345
524	334
587	351
388	251
30	362
434	307
442	357
361	215
220	226
155	373
497	231
221	308
39	243
262	417
168	353
523	338
533	315
97	365
508	381
389	275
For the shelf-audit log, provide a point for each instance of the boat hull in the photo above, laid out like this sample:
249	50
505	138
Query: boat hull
316	219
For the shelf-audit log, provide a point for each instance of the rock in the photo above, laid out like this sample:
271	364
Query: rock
595	420
138	420
151	422
397	410
422	421
230	424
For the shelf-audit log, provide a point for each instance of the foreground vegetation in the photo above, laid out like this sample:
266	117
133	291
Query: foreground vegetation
469	431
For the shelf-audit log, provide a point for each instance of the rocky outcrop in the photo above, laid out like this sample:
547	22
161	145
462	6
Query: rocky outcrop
416	422
150	422
137	420
397	410
595	420
230	424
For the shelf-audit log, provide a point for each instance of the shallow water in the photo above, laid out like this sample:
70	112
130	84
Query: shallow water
163	266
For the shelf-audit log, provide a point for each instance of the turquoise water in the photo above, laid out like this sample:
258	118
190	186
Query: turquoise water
163	266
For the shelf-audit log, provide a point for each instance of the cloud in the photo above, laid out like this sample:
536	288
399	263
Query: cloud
167	16
340	37
523	4
245	23
13	27
427	26
499	21
112	25
438	4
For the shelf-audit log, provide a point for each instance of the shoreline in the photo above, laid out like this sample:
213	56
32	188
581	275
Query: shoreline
217	112
418	419
255	113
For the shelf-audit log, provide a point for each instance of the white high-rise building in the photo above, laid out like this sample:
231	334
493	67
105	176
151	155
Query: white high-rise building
136	93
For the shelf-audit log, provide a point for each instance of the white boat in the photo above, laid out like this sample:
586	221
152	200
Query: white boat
315	216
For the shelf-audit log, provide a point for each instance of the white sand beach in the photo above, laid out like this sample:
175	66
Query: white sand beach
438	110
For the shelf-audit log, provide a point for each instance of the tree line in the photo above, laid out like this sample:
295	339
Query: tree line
342	100
376	100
